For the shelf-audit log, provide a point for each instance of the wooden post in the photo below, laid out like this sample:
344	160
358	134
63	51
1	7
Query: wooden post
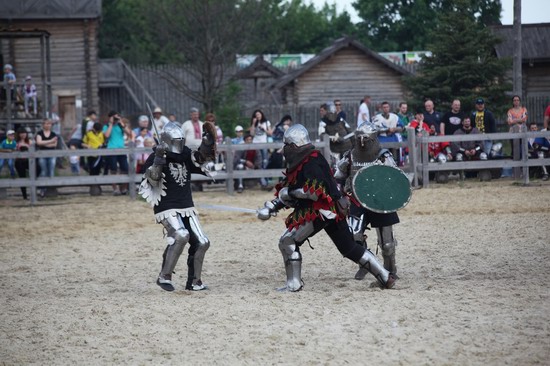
413	163
517	50
524	157
32	173
132	170
229	157
425	156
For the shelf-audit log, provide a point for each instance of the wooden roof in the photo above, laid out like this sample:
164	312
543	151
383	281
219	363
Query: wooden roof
260	68
50	9
331	50
535	41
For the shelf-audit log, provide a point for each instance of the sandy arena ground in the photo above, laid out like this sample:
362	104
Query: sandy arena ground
77	282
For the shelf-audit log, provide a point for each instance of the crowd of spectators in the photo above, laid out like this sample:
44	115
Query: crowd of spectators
115	133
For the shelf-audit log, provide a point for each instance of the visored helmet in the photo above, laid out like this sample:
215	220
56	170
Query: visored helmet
172	136
296	134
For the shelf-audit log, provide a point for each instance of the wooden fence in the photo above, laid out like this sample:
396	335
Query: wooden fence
418	165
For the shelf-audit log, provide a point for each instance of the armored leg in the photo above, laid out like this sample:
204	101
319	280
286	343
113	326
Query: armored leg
387	243
292	256
369	262
177	236
202	244
357	226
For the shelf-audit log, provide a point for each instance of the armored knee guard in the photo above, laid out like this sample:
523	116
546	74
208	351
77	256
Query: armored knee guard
177	237
369	262
387	244
293	263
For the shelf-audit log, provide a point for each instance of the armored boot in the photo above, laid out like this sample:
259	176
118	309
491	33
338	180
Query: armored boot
387	243
293	269
369	262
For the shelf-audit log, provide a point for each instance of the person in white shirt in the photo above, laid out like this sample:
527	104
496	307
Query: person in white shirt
363	115
389	123
159	119
192	130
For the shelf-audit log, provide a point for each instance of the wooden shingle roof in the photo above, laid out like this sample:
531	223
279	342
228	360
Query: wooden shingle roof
339	44
535	41
50	9
260	68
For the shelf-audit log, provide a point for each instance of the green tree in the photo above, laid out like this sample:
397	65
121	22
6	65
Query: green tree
462	65
398	25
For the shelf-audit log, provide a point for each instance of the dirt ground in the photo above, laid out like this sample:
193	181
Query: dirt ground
78	286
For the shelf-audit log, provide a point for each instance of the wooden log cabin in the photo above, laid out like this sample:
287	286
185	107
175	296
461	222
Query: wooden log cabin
346	70
70	29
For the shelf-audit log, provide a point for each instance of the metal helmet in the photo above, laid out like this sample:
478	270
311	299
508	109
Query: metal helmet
367	129
441	158
296	134
172	135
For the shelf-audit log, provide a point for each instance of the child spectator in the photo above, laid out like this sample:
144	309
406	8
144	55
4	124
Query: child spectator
29	94
74	160
8	145
142	158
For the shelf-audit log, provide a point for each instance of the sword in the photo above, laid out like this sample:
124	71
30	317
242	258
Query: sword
152	118
228	208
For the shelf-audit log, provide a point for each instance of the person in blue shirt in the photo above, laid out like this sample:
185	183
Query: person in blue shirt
114	132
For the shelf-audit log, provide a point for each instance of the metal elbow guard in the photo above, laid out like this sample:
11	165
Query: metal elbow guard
154	174
304	195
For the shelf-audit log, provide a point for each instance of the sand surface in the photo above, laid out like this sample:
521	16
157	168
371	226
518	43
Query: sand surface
77	283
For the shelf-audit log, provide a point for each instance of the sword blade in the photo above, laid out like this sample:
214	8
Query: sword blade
228	208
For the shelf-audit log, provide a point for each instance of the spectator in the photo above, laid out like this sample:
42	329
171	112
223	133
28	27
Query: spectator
389	124
246	160
484	122
46	139
143	133
88	122
172	118
340	114
451	120
546	122
438	151
517	116
404	118
159	119
94	139
74	161
281	127
431	117
115	130
239	133
192	130
260	129
29	94
418	123
467	150
142	158
8	145
22	164
143	122
539	148
363	115
8	84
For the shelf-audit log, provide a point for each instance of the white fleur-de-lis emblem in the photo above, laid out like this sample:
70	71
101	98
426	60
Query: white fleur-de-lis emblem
179	173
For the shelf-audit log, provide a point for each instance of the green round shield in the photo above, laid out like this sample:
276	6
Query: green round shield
381	188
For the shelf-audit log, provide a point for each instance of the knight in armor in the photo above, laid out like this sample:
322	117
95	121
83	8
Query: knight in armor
310	189
336	128
366	152
166	185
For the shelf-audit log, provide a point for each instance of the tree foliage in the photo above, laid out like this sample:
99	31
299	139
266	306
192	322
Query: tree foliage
463	64
398	25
